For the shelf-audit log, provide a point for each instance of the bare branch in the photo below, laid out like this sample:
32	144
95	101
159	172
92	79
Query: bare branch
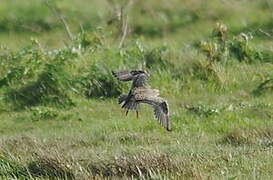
265	33
124	31
61	18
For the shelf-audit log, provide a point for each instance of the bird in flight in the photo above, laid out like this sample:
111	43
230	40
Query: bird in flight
140	92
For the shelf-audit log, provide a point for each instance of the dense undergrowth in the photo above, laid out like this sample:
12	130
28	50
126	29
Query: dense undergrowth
35	76
213	62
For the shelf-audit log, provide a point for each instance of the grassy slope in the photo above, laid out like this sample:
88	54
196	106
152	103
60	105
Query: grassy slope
230	134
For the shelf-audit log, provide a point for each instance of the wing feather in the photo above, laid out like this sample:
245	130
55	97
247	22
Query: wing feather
130	102
161	114
122	98
139	93
124	75
130	105
160	105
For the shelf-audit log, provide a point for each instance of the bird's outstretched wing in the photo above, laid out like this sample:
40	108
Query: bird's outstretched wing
161	112
139	77
160	105
124	75
129	101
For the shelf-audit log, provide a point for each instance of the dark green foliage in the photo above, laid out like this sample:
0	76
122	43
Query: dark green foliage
157	58
216	48
35	77
50	87
242	51
22	65
101	83
223	46
13	73
85	41
148	30
205	72
43	113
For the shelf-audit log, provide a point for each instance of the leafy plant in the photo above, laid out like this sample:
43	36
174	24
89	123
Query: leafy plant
22	65
157	58
50	87
101	83
43	113
240	48
216	48
222	46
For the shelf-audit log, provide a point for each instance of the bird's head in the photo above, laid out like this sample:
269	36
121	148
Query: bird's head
136	72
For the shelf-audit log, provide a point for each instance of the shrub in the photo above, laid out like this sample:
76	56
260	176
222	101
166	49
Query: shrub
223	46
241	50
101	83
50	87
157	58
43	113
23	65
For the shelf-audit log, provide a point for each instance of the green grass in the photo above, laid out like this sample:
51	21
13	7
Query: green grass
59	114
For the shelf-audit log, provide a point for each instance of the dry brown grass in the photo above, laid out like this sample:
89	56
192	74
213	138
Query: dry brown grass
49	159
141	165
54	168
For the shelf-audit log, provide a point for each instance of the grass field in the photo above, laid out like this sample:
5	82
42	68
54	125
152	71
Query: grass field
212	60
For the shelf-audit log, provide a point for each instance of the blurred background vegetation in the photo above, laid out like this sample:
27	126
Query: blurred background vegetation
212	60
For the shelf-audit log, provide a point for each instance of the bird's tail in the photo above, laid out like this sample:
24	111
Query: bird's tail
127	103
130	105
122	98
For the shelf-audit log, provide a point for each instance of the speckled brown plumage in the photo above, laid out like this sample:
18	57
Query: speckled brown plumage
141	93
